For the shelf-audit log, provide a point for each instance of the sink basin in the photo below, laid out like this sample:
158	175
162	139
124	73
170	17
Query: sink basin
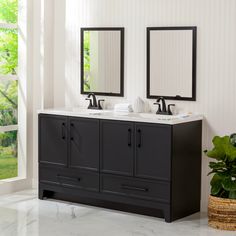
89	111
155	116
162	117
151	116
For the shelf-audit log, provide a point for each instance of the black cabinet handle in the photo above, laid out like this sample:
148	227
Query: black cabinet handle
128	187
68	178
63	133
139	138
129	137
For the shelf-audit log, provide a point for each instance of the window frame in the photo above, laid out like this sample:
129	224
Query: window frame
9	77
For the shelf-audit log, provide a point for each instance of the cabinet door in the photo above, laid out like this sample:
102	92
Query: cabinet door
117	147
153	151
53	140
84	143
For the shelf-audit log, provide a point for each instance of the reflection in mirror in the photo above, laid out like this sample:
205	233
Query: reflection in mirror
102	61
171	63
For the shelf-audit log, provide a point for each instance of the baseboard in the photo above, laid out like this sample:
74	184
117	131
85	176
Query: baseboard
35	183
16	185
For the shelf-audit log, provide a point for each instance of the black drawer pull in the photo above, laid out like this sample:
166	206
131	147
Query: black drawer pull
128	187
69	178
129	137
63	134
139	138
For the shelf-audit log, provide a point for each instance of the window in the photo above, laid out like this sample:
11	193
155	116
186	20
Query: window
8	88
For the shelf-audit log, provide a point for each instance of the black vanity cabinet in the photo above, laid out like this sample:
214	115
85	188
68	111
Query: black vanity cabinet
68	153
53	142
153	151
147	168
84	144
117	147
141	150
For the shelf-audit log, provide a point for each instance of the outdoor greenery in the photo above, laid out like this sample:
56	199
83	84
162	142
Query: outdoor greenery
8	89
223	182
87	74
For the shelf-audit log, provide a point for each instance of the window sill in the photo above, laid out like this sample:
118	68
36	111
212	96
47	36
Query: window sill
15	179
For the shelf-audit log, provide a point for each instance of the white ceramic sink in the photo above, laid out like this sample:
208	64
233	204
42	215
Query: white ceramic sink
153	116
89	111
160	117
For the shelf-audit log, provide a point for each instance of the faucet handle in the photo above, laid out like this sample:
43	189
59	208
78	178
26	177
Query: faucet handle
90	102
99	103
169	110
159	107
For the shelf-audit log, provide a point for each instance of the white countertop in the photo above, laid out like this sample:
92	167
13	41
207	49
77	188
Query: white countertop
135	117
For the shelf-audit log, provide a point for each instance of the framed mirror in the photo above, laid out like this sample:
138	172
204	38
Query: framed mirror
171	63
102	61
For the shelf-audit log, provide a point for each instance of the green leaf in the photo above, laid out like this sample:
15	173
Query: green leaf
230	152
216	184
220	141
215	189
216	154
232	194
228	184
224	175
217	165
223	150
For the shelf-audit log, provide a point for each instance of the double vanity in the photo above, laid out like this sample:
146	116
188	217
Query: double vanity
138	162
143	163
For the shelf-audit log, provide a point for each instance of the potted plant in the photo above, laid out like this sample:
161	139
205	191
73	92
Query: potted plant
222	201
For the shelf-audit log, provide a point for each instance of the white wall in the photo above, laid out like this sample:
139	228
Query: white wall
44	87
216	62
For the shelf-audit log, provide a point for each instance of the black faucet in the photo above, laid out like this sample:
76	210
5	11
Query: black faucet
93	104
162	108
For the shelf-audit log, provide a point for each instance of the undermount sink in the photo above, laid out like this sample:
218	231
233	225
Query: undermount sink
158	117
153	116
89	112
164	117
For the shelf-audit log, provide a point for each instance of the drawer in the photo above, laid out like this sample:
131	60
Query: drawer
69	178
137	188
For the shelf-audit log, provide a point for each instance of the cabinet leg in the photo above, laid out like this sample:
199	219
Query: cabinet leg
41	194
167	215
45	194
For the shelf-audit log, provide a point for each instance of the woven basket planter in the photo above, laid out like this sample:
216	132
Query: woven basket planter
222	213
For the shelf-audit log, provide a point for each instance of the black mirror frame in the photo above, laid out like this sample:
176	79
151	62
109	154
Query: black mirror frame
194	63
122	53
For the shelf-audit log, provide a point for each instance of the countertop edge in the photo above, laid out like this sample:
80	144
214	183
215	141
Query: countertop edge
197	117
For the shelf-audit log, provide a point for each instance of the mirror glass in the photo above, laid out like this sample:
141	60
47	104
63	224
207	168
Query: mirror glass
102	61
171	62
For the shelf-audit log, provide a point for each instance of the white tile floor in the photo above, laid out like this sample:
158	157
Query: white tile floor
22	214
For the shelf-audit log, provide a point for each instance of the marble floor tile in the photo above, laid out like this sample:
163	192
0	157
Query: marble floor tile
22	214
